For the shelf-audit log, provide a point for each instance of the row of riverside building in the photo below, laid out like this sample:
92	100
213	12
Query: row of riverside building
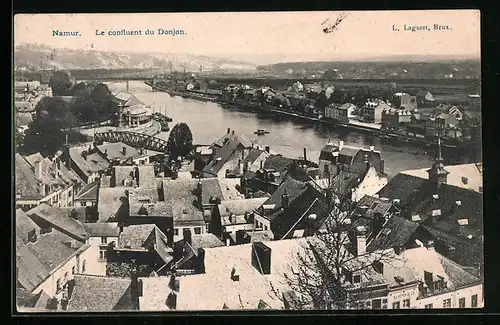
107	227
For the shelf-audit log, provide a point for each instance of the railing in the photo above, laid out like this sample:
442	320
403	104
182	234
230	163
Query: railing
133	139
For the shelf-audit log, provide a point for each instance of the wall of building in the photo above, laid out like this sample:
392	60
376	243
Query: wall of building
332	168
437	300
235	228
85	203
261	222
180	230
401	294
50	284
255	166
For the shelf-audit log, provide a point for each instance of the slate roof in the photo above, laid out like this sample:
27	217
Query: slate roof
221	156
60	219
95	293
88	192
326	152
277	162
31	272
127	99
109	202
95	162
239	138
26	181
293	188
136	236
102	229
202	241
124	175
239	207
24	225
253	155
344	181
115	151
400	233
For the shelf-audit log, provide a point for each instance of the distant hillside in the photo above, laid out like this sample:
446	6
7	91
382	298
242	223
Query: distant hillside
381	68
37	57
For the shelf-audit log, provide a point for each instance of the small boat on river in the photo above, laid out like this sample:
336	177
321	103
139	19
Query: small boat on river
261	132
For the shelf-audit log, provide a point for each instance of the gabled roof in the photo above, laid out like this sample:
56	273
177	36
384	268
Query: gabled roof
26	181
60	220
24	225
109	202
292	187
102	229
115	151
239	138
96	293
239	207
221	156
94	162
277	162
253	155
88	192
396	232
143	237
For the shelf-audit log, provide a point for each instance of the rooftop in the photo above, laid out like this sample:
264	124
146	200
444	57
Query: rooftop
88	192
215	288
24	225
102	229
472	172
118	150
60	219
239	207
93	162
109	202
96	293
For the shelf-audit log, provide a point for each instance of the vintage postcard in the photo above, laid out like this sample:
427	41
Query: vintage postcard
246	161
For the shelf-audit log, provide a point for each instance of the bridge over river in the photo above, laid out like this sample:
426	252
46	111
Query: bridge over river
133	139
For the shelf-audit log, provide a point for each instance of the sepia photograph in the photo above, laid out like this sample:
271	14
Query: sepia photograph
245	161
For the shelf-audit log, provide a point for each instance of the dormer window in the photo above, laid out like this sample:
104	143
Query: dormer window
436	213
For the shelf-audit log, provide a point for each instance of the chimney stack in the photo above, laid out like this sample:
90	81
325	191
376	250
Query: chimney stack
430	245
261	164
372	148
305	155
285	199
228	130
232	132
341	145
124	150
187	236
38	169
261	258
361	240
241	167
268	149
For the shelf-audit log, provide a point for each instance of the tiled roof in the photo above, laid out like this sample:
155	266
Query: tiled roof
260	235
326	152
293	188
94	162
88	192
102	229
214	288
398	233
277	162
473	173
239	138
124	176
147	177
115	151
31	272
344	181
253	155
24	225
26	182
372	205
203	241
109	202
221	156
145	202
239	207
95	293
136	236
61	220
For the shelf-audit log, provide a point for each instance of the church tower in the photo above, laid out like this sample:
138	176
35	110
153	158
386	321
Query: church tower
437	174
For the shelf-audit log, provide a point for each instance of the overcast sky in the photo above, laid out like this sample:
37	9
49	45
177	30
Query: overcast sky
268	36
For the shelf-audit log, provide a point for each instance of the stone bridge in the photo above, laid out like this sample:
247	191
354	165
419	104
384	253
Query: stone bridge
133	139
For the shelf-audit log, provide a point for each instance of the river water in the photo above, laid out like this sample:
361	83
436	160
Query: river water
209	121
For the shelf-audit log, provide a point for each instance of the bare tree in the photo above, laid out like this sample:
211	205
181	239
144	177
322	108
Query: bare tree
332	270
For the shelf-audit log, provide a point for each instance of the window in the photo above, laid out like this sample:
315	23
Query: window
356	279
461	303
265	227
83	267
395	305
102	254
474	301
406	303
176	232
104	240
428	306
376	304
197	230
84	203
65	276
58	285
73	270
447	303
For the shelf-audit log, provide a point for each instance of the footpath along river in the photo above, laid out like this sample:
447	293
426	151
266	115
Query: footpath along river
209	121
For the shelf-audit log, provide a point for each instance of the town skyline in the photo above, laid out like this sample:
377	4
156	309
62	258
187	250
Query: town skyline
265	38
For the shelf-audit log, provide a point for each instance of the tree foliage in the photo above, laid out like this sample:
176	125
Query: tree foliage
60	83
44	135
180	141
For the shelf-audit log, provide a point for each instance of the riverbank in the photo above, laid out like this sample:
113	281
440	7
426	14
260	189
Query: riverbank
370	128
152	129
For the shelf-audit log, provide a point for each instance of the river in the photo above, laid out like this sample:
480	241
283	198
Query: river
209	121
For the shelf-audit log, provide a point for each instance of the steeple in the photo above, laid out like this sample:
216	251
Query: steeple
437	173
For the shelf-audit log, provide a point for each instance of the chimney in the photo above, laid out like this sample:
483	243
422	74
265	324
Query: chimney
430	245
367	162
201	260
261	164
54	166
305	155
341	145
186	234
381	166
285	198
135	289
268	149
228	130
232	132
261	258
379	267
361	240
241	166
124	150
38	169
84	154
372	148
